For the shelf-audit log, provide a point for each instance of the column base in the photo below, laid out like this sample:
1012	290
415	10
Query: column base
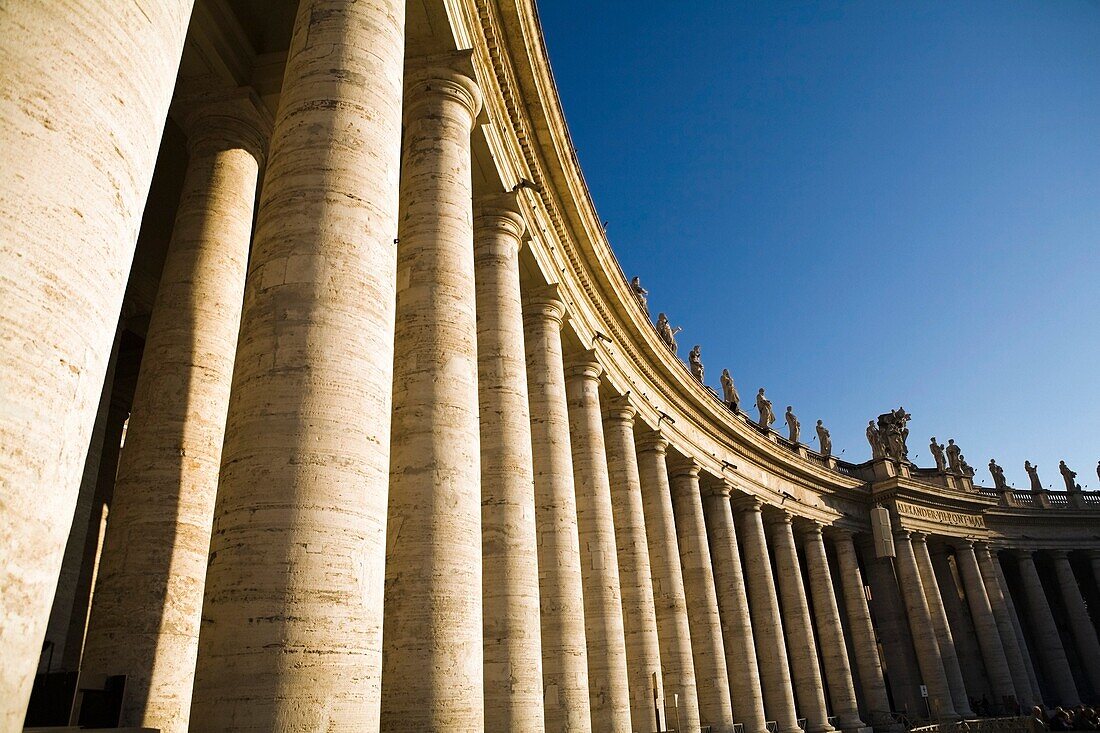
826	728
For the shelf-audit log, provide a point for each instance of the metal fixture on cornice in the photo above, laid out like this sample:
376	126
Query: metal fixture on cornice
664	416
524	183
727	464
786	496
604	225
600	336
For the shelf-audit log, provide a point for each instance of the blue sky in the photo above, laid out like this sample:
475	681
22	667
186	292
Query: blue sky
861	205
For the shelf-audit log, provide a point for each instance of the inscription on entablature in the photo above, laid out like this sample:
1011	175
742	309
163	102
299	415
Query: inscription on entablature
941	516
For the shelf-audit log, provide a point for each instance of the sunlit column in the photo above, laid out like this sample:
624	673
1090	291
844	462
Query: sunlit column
673	629
1084	633
1017	665
86	88
609	690
989	638
771	649
561	596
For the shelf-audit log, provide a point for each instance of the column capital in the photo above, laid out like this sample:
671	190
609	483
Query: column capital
810	529
499	213
901	533
446	76
619	408
776	516
962	544
748	503
1028	555
224	119
653	440
585	366
919	537
687	466
544	303
1058	554
722	488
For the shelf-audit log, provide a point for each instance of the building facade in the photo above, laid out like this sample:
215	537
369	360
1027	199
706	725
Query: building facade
327	407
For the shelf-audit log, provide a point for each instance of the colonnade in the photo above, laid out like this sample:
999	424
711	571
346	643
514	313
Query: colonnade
370	484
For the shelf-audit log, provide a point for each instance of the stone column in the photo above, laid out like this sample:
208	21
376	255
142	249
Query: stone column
673	629
148	600
433	613
771	650
510	572
707	651
1084	633
733	604
69	585
941	626
561	597
1094	561
801	644
892	628
864	643
292	617
86	92
1017	666
962	626
1014	617
608	686
1051	654
920	624
643	649
989	638
838	672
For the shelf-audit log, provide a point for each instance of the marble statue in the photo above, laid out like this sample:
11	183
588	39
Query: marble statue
793	425
667	332
640	293
764	405
695	359
998	475
953	453
966	468
825	442
875	439
729	391
1068	476
937	454
1033	476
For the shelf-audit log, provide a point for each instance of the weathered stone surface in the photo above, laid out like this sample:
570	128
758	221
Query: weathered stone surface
1051	653
148	602
84	91
561	595
989	639
292	620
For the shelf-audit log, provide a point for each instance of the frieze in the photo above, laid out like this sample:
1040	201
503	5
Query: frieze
942	516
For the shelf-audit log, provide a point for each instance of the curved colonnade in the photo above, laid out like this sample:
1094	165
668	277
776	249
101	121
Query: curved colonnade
405	451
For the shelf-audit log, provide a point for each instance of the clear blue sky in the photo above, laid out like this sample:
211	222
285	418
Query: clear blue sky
861	205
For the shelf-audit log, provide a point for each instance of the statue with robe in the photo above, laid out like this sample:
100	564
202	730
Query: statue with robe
875	441
764	405
953	453
1068	476
1033	476
729	391
937	455
667	332
998	475
893	432
695	360
793	426
640	293
825	442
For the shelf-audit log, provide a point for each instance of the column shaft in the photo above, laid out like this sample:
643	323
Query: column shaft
892	627
433	615
771	650
941	627
989	638
1084	633
673	629
1051	653
864	642
708	653
838	671
561	597
1017	666
292	616
510	573
1014	617
86	92
609	692
733	604
962	626
148	601
920	624
643	649
801	644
